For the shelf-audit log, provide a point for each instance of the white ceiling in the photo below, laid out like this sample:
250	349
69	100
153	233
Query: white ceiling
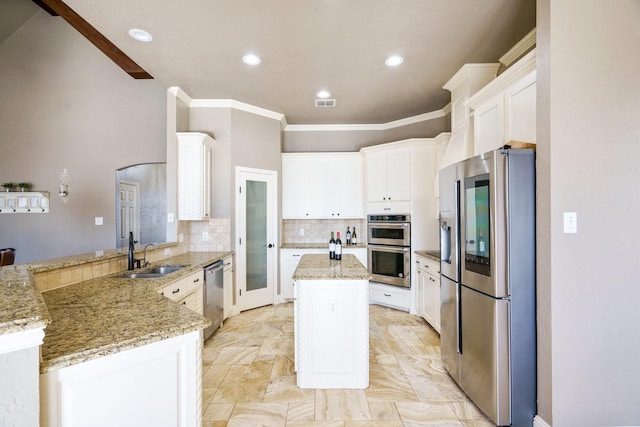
308	45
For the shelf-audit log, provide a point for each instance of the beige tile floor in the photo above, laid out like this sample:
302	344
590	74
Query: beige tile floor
249	379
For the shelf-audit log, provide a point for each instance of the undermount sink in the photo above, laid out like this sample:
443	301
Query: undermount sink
164	269
150	273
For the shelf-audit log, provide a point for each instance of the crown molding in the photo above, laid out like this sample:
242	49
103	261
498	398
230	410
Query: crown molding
520	69
230	103
371	127
519	49
471	70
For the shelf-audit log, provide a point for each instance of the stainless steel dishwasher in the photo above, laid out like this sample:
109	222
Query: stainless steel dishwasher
213	296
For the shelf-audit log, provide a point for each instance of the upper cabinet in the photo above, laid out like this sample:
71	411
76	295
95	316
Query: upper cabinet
322	185
388	175
505	109
194	175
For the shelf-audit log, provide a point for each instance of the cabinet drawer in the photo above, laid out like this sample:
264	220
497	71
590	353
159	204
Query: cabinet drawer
193	301
430	266
180	288
228	263
391	296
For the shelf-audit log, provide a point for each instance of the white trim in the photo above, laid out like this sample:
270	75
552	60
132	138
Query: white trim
514	73
372	127
21	340
231	103
519	49
442	137
539	422
465	72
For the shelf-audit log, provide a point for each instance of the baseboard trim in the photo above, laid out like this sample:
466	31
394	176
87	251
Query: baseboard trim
539	422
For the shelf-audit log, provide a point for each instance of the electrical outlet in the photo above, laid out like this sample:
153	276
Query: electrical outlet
570	222
99	220
302	231
167	251
205	236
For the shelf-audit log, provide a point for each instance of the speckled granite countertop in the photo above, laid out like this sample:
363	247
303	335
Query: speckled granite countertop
434	254
21	305
101	316
73	260
320	267
318	246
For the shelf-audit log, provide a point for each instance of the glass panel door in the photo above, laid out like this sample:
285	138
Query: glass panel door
256	243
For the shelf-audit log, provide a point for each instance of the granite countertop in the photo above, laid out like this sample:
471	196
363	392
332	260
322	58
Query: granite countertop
101	316
21	305
318	246
320	267
434	254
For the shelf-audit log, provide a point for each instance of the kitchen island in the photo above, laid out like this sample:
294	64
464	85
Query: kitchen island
331	314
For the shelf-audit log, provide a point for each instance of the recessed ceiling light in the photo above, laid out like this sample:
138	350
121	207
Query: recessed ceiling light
251	59
140	35
323	94
394	61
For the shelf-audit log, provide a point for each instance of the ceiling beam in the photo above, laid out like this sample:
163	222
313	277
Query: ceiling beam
59	8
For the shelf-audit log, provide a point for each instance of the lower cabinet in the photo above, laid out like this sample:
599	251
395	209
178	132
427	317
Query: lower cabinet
428	291
390	296
187	291
159	384
227	285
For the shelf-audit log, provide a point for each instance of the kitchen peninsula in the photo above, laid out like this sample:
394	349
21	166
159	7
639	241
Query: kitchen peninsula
115	339
331	312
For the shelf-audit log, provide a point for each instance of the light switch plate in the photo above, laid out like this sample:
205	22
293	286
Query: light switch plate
302	231
99	220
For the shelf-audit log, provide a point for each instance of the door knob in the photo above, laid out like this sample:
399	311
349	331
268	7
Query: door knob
270	245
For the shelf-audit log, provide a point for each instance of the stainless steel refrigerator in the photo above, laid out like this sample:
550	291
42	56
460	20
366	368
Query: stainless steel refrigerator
487	246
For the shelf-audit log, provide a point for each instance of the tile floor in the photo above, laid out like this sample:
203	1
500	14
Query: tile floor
249	379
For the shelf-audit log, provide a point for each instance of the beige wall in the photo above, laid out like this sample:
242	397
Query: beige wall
588	151
353	140
63	104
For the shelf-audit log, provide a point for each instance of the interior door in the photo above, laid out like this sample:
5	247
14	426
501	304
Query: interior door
129	212
256	225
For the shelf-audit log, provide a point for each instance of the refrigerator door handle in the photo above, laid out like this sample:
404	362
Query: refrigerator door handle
459	326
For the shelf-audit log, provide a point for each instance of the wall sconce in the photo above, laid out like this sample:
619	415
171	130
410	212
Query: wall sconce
63	188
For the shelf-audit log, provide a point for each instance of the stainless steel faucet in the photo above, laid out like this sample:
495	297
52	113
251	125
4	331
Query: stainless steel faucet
145	262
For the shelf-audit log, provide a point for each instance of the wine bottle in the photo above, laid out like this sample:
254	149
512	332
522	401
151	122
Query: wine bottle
354	238
348	237
338	248
332	247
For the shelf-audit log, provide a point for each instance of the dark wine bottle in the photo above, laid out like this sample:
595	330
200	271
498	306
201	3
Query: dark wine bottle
354	238
332	247
348	237
338	248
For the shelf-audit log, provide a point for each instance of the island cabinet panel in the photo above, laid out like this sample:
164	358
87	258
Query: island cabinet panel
332	333
154	385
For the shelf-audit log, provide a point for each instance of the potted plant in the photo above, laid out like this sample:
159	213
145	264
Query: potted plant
24	186
8	186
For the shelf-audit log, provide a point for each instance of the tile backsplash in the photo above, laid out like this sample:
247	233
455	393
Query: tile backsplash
218	234
319	230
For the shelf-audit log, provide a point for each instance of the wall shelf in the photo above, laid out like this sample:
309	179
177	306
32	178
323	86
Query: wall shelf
24	202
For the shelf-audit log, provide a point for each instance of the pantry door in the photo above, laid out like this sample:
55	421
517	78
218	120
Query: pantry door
256	237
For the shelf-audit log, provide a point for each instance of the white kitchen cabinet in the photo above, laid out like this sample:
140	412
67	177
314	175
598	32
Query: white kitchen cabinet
187	291
390	296
194	175
322	185
331	334
504	111
388	179
157	384
428	291
227	285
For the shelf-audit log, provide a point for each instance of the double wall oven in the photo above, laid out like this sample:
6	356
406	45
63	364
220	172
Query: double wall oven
389	249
